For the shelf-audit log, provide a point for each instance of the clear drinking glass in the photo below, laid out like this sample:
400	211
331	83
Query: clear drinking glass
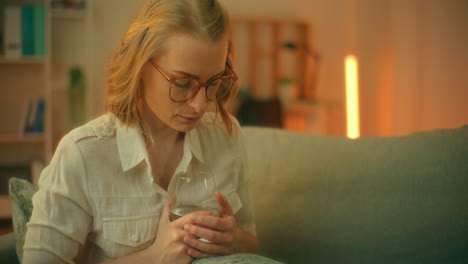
193	192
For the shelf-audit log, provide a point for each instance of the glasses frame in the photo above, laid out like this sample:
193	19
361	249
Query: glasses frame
199	84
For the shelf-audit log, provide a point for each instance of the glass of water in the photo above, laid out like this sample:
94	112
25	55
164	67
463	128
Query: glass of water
194	192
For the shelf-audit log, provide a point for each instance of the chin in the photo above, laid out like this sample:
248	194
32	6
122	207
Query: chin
181	127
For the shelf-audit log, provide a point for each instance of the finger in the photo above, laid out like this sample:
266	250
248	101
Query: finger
208	234
206	248
201	213
214	222
190	218
197	254
225	208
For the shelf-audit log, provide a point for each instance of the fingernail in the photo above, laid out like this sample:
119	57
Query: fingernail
186	227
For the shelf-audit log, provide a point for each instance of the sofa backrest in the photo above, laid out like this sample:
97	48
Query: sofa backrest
321	199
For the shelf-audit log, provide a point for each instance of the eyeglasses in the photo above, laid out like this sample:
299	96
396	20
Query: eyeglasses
184	88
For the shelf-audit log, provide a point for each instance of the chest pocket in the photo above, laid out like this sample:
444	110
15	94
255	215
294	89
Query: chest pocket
234	201
128	235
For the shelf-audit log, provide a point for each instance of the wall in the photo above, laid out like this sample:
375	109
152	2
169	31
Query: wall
374	48
407	23
413	65
444	76
413	61
111	18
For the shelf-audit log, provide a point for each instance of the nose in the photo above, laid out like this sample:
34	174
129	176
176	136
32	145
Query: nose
199	103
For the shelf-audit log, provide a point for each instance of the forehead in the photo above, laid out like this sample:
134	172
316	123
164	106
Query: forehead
195	55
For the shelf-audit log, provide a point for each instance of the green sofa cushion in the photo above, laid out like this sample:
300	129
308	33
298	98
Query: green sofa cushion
21	193
322	199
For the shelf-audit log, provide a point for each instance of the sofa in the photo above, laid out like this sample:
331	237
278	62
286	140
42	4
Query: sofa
323	199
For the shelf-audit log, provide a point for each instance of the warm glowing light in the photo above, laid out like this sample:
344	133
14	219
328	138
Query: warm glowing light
352	96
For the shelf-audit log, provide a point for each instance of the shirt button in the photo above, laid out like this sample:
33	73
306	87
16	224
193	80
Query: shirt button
134	238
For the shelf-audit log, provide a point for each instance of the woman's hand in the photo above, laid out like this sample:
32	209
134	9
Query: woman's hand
218	230
169	246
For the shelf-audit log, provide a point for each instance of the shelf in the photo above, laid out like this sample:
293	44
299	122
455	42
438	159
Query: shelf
23	60
62	13
22	138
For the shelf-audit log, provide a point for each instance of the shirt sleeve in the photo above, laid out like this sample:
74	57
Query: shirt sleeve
245	217
62	214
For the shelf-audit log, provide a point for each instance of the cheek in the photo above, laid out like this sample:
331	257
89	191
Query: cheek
157	98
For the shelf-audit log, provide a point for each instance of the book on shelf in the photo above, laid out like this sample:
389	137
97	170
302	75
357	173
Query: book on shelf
24	28
27	30
12	37
33	121
39	30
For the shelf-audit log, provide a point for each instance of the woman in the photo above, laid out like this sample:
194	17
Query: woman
106	194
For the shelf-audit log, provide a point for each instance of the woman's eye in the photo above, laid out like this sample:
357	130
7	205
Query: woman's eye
215	83
183	84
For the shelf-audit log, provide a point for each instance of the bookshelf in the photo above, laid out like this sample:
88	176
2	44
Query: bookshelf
25	60
26	78
21	138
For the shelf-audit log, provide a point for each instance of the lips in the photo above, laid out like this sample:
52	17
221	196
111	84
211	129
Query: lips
188	119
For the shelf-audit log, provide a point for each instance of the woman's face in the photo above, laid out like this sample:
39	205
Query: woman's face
186	56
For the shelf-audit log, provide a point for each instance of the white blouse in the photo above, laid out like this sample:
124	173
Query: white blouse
97	200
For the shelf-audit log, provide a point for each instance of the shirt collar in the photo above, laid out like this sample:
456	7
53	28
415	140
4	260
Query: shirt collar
130	144
191	149
193	142
132	149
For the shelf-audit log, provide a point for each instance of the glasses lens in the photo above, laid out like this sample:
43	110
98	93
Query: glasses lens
183	89
219	88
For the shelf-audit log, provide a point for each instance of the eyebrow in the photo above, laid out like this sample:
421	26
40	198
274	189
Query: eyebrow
196	76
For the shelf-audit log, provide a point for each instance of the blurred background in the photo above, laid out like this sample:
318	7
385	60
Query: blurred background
410	70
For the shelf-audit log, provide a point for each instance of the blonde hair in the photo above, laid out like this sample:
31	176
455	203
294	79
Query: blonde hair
145	38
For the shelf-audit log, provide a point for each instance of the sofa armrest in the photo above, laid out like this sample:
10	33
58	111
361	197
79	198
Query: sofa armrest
8	249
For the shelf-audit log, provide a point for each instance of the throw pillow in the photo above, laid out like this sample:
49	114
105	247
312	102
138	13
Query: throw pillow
21	192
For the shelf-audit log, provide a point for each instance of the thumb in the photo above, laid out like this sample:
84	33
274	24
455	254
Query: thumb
225	208
166	213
